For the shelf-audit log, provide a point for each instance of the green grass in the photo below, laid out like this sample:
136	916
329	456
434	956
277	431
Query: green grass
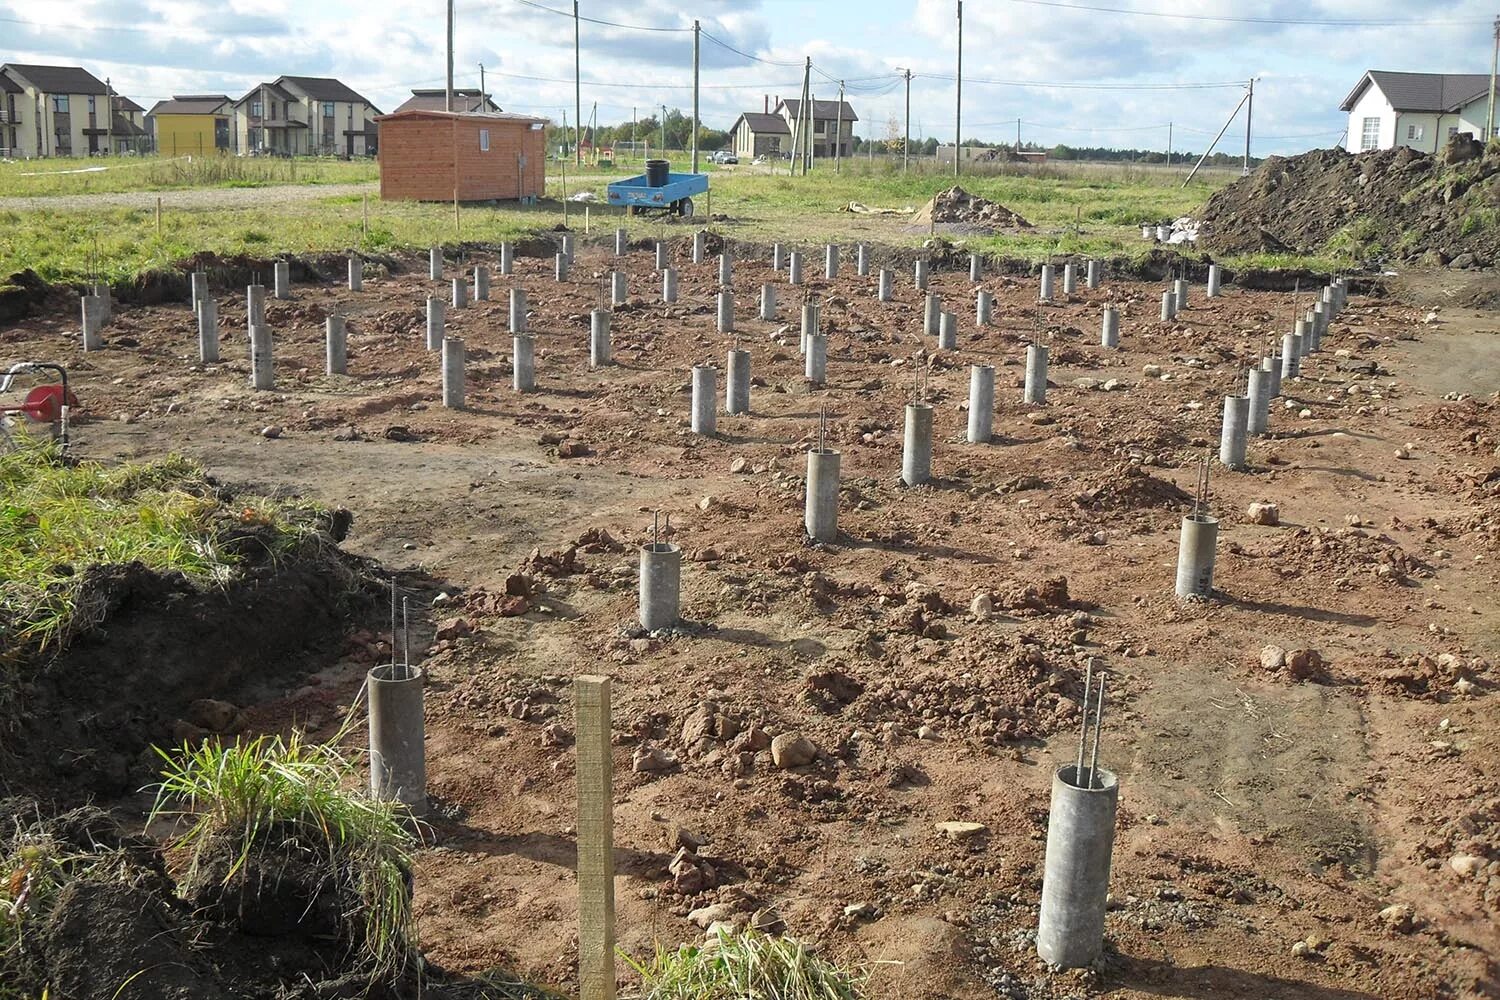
1081	208
78	175
58	518
738	966
257	791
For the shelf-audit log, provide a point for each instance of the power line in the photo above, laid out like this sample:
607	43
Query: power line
1081	86
1229	18
597	20
740	52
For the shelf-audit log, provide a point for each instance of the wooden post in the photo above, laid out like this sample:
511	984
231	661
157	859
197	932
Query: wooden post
456	230
596	840
158	216
367	215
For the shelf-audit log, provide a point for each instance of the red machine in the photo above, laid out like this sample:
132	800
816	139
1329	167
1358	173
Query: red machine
44	404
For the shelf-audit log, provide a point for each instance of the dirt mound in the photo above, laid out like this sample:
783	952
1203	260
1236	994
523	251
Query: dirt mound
1130	487
957	207
1397	204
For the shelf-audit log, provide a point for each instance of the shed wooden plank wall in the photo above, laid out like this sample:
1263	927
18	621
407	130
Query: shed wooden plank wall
417	160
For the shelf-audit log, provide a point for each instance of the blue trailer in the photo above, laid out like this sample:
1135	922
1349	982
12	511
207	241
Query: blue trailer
635	195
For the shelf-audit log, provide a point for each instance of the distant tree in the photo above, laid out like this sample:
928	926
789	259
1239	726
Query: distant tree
929	148
894	138
1061	152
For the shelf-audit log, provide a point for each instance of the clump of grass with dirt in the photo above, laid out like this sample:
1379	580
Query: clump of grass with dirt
263	797
35	866
60	518
732	966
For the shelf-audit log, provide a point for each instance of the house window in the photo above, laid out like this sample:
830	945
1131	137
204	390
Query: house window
484	140
1369	137
327	109
1413	132
60	103
91	104
254	109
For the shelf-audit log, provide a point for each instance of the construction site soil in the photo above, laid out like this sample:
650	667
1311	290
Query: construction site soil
1396	204
1313	822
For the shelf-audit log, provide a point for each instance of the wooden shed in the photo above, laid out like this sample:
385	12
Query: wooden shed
442	155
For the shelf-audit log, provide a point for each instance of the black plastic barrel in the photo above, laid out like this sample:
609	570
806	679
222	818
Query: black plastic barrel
657	172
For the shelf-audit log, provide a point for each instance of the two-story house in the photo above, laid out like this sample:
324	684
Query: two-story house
54	111
832	125
128	132
305	115
1421	110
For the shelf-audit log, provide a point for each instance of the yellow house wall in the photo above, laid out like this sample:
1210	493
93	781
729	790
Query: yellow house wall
185	135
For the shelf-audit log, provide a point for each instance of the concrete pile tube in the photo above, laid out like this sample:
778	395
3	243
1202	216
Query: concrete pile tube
1046	289
262	365
1035	390
794	268
601	349
669	285
886	282
705	399
453	373
398	747
821	512
435	263
356	274
435	323
768	302
1195	555
523	362
947	332
1109	334
816	368
916	450
460	293
1075	880
1232	435
984	307
831	262
208	331
336	345
737	383
981	404
660	585
517	310
281	277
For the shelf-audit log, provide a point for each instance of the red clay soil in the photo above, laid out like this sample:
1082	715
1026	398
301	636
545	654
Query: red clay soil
1326	831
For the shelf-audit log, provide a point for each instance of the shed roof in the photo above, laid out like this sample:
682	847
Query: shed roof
123	103
124	126
190	104
1421	91
494	116
763	123
467	99
822	109
324	88
57	79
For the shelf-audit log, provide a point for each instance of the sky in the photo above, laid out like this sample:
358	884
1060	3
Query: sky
1079	72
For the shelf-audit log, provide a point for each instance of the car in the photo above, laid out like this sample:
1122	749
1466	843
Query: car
723	156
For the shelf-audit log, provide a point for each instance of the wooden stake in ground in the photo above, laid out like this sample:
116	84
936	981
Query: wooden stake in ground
596	840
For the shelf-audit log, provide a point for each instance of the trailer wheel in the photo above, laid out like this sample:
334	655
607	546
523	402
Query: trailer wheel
685	208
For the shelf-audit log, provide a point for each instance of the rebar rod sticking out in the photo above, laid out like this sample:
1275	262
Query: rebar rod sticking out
1098	725
393	626
405	640
1083	728
822	426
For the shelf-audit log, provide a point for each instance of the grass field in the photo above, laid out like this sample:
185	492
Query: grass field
82	175
1094	209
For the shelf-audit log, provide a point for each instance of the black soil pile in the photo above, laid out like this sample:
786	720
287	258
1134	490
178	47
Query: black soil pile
958	208
1396	205
164	646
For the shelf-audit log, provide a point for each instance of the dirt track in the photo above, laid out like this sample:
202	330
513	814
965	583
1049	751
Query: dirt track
1258	811
184	198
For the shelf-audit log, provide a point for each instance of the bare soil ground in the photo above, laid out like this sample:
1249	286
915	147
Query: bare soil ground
1268	823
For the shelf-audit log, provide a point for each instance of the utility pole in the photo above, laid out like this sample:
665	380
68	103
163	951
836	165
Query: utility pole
838	133
632	128
1169	144
958	101
482	105
1018	137
663	130
578	90
109	111
906	137
1249	117
801	137
1489	118
696	33
449	99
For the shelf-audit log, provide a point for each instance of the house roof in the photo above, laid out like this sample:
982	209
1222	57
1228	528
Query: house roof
124	126
270	88
495	116
821	110
190	104
1421	91
465	99
123	103
9	86
763	123
323	88
57	79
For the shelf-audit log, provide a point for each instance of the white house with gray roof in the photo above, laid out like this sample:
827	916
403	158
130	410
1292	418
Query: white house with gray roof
1420	110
